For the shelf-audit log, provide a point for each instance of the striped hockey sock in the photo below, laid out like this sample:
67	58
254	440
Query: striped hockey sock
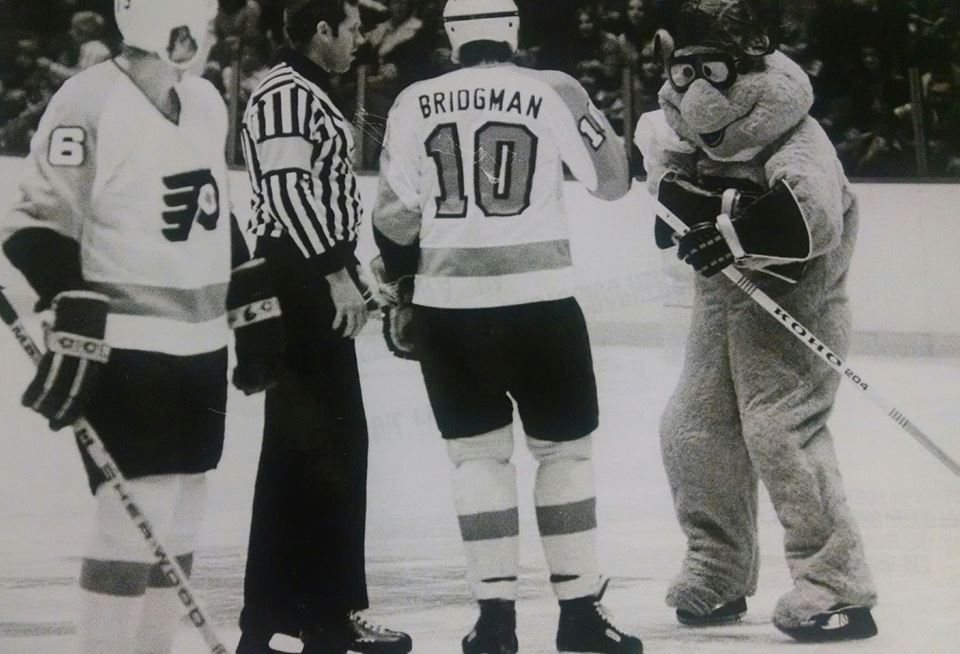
567	517
485	496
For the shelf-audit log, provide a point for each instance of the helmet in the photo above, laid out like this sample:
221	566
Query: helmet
157	25
481	20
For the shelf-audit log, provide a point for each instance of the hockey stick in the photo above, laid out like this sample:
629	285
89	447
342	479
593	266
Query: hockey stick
92	444
816	345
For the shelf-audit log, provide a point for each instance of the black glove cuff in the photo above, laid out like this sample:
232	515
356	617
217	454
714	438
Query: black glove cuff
81	312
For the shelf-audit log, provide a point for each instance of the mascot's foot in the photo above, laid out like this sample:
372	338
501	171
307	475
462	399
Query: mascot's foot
840	622
732	611
699	606
811	613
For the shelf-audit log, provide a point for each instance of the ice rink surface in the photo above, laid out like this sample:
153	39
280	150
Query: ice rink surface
906	502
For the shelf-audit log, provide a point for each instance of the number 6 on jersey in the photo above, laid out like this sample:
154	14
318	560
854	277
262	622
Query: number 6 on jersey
67	147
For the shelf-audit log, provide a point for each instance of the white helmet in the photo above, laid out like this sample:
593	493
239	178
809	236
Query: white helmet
156	25
481	20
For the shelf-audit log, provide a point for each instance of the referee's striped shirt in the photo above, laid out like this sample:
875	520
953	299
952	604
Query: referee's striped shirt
297	147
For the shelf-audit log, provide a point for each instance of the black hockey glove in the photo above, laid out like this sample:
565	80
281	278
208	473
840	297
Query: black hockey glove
689	202
76	354
253	312
704	248
399	319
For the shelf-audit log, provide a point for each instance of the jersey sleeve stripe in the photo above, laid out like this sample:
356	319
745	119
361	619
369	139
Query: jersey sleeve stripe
306	112
345	212
326	194
288	110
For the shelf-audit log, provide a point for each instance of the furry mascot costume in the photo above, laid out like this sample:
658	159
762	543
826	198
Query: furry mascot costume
734	154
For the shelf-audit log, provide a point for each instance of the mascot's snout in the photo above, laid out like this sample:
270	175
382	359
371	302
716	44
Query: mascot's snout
708	112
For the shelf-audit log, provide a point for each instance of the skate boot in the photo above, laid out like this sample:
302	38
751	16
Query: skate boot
370	638
840	622
495	631
732	611
585	626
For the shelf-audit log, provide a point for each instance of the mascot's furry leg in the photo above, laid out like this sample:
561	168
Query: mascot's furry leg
713	483
785	395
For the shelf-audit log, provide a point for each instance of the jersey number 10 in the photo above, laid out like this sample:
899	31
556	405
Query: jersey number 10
505	155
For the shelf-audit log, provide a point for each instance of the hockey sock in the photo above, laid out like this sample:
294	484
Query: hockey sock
162	610
567	515
112	596
485	497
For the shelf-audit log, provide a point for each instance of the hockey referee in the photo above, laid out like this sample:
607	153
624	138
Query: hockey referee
305	571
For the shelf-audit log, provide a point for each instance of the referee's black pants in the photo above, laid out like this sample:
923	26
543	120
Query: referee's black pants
305	561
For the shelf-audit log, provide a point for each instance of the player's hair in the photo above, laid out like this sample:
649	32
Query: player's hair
477	52
300	18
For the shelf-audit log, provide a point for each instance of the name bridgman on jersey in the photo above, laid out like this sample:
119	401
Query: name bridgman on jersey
494	99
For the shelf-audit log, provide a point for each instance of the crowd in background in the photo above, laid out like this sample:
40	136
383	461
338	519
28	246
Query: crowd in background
858	53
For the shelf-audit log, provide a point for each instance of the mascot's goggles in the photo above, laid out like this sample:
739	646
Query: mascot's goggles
718	68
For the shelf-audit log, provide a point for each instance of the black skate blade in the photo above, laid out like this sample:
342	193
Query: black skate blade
839	623
727	613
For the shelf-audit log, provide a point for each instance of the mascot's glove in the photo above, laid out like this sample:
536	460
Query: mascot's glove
688	201
396	302
704	249
76	354
253	312
705	246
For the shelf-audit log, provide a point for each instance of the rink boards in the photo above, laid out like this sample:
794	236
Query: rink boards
902	282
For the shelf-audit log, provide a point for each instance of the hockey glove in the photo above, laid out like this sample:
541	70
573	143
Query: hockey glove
396	303
690	202
704	248
76	354
253	312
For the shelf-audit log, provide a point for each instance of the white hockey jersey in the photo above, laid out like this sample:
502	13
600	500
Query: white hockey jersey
147	200
473	165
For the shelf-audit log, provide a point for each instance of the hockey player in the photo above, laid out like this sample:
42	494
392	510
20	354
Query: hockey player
471	205
734	154
305	571
123	229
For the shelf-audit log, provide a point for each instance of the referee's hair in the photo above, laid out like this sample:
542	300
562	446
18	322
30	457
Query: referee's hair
300	18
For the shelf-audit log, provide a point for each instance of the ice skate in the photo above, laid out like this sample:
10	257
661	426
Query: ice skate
726	613
495	631
585	627
371	638
840	622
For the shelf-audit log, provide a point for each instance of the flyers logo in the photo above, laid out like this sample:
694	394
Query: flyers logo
193	197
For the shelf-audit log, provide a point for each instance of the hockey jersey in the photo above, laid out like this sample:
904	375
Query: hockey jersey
472	166
146	199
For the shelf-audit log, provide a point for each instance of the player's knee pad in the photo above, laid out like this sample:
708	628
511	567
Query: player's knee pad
548	451
496	445
117	536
